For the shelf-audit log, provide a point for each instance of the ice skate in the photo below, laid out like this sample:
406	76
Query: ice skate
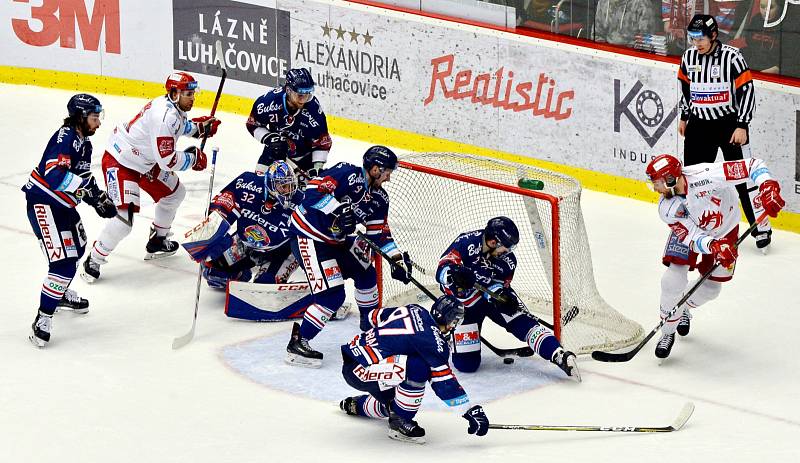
343	312
71	301
567	361
405	430
40	329
90	270
160	246
763	240
664	346
685	323
348	405
299	353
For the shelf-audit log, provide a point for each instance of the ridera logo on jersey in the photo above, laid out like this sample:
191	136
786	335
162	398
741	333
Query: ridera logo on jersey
256	39
644	109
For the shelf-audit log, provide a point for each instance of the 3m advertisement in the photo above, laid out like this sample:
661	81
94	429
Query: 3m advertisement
554	102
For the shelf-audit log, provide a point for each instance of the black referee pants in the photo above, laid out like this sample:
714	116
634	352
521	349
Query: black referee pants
702	140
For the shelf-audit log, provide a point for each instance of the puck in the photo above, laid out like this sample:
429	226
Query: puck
508	360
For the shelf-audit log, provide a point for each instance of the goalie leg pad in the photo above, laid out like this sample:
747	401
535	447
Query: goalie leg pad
209	238
262	302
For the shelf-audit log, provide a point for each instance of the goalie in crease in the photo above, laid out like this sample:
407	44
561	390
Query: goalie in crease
258	248
487	257
699	203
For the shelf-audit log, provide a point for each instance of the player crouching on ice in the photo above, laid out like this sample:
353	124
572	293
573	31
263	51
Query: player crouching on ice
701	206
404	349
258	248
487	257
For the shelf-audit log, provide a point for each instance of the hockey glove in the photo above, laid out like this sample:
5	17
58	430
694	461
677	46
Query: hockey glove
98	199
463	278
206	124
770	197
344	222
724	252
402	271
478	422
200	158
277	146
507	302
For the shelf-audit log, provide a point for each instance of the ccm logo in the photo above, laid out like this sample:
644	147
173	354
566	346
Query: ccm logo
295	287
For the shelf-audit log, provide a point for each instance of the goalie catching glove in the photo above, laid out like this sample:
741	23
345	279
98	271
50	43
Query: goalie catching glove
770	197
92	195
402	270
206	124
478	422
724	252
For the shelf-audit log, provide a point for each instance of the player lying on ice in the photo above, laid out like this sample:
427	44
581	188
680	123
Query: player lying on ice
701	206
403	349
245	236
487	257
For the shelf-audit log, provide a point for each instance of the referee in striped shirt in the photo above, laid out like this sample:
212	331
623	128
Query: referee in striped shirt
717	104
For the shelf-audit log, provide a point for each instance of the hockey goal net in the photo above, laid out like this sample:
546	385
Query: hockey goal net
436	196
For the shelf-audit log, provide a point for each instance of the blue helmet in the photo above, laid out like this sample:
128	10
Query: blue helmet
280	183
299	80
83	104
503	230
380	156
447	311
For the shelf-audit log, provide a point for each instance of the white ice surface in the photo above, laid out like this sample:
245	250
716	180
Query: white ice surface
109	387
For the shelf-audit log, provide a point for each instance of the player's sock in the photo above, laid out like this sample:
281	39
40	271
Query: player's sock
315	318
53	288
364	405
542	341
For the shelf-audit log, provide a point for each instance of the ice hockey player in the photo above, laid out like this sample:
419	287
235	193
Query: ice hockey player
60	181
294	112
329	253
259	249
142	155
700	205
487	257
405	348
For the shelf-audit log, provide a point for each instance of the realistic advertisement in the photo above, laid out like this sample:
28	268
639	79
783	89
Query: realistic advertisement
596	111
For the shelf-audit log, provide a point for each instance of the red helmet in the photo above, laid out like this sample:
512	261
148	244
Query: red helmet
666	167
181	81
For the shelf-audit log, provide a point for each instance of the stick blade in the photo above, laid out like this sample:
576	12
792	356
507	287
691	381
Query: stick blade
177	343
601	356
683	416
220	56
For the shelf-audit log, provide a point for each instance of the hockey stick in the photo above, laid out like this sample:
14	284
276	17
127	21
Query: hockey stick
626	356
676	425
177	343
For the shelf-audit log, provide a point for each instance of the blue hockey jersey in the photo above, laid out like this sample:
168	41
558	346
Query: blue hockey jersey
64	168
261	225
408	330
489	271
307	128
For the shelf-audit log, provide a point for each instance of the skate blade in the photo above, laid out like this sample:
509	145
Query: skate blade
764	250
158	255
77	310
575	374
38	343
86	277
343	312
397	435
300	361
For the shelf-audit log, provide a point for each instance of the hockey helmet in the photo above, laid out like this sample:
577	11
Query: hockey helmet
702	25
666	168
280	183
447	311
299	80
83	104
504	230
380	156
180	81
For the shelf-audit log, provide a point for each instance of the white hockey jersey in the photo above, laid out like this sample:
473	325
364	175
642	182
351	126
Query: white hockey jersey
150	138
710	209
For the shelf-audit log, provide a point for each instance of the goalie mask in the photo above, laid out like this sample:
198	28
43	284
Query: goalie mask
280	184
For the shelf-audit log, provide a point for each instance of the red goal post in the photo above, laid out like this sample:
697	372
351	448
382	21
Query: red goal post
433	197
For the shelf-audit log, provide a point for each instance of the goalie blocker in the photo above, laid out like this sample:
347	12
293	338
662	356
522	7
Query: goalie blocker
271	302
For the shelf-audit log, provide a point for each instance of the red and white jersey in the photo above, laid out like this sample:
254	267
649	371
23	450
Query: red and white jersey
710	208
150	138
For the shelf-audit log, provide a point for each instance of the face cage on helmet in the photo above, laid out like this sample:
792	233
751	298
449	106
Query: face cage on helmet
284	199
